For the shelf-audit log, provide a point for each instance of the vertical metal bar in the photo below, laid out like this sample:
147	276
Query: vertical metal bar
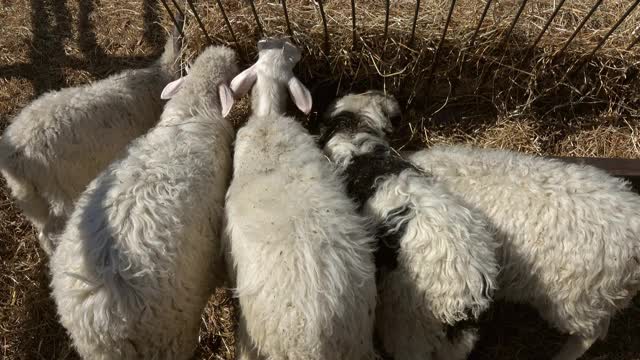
606	37
415	20
324	25
175	3
580	26
634	43
523	3
442	37
286	17
200	24
226	21
173	18
255	16
386	19
484	14
544	29
353	22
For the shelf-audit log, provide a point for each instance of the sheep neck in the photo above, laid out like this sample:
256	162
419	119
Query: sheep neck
269	97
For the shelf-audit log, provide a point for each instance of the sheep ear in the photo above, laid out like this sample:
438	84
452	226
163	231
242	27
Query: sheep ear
300	95
226	99
242	83
171	89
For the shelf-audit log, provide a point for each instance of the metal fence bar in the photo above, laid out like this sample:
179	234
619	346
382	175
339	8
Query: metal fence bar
606	37
634	43
513	23
175	3
324	25
286	17
544	29
173	18
386	19
484	14
441	42
200	24
353	22
580	26
256	18
415	20
226	21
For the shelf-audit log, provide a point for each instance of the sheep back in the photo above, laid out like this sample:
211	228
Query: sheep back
303	260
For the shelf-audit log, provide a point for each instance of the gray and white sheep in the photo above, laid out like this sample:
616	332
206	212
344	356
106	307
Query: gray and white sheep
570	234
141	254
301	255
436	258
61	141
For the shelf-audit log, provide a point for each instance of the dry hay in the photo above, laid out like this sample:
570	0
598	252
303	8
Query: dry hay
489	94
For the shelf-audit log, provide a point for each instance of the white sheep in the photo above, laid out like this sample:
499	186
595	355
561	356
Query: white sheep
570	234
436	258
140	254
61	141
302	258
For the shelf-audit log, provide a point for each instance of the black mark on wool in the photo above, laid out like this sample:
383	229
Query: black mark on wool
342	121
365	169
363	175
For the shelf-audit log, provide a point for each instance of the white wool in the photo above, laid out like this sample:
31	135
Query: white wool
301	257
61	141
447	267
140	254
570	234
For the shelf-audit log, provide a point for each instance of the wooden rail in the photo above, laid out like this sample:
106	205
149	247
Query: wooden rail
626	168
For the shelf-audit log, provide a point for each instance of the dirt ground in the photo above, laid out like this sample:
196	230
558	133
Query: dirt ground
495	93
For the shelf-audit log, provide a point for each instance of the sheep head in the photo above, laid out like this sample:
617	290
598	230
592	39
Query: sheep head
276	60
213	68
357	124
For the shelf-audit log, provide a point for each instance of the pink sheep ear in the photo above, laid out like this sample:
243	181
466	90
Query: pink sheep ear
226	99
300	95
171	89
242	83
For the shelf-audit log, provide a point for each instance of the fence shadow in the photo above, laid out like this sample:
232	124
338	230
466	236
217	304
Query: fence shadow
52	27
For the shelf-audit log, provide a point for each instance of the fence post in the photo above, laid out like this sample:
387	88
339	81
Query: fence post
484	14
257	19
200	24
226	21
286	18
324	25
415	20
580	26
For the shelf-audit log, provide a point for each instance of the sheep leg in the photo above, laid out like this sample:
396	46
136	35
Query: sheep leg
575	347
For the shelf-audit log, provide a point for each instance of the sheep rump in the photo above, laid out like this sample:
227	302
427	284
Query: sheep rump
570	234
314	252
61	141
140	254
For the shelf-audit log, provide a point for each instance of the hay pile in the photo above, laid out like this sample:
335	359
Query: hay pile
489	94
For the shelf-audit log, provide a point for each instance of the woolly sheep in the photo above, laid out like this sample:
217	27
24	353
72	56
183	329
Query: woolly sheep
570	234
140	254
61	141
436	257
302	258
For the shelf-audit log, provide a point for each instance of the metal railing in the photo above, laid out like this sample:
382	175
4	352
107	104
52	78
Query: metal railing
411	38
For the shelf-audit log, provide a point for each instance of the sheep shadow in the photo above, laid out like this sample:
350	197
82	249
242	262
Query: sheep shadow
52	27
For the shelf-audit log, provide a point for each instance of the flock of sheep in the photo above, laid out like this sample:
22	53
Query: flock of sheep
329	241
